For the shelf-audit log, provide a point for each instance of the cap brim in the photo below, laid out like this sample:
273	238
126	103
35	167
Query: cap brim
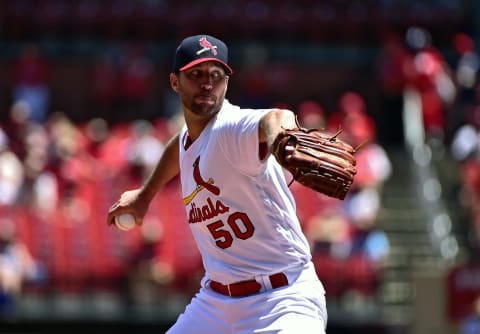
202	60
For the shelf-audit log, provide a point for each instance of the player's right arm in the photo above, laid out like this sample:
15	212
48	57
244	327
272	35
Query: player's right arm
273	123
138	200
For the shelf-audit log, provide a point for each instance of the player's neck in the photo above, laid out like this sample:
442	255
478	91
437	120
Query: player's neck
195	124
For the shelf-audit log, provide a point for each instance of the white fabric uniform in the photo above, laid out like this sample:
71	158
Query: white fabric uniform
243	218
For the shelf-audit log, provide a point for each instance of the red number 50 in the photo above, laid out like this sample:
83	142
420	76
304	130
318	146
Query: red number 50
240	225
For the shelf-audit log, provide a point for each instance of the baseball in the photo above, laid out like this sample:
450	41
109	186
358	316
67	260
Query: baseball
125	221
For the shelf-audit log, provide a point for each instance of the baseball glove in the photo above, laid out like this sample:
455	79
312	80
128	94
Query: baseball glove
317	159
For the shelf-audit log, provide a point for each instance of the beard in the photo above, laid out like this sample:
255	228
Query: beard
204	105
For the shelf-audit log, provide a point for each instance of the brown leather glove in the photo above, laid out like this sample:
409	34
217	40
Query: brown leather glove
317	160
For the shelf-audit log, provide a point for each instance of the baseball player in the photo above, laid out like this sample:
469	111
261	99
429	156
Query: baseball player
259	277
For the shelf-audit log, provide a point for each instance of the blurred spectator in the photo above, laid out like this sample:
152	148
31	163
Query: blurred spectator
432	77
144	150
466	140
373	164
370	246
465	148
360	131
11	173
352	108
69	160
149	277
112	152
96	131
35	161
17	127
30	78
311	115
17	267
29	141
467	65
328	232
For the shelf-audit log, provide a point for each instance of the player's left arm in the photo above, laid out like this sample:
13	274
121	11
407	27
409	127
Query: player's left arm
272	123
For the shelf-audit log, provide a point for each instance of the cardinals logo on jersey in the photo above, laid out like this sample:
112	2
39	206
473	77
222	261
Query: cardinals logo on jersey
206	46
201	183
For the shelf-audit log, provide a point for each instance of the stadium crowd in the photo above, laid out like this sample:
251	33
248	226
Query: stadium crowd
58	177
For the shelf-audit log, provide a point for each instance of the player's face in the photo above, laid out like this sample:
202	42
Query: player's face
202	88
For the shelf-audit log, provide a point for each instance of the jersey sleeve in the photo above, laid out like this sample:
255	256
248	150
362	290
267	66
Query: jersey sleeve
239	140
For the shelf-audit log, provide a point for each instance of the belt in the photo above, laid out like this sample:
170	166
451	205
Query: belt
247	288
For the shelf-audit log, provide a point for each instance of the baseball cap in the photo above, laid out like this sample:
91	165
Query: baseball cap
197	49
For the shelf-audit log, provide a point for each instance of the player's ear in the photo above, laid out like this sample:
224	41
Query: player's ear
174	81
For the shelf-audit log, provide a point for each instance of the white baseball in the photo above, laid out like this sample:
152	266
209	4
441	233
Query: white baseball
125	221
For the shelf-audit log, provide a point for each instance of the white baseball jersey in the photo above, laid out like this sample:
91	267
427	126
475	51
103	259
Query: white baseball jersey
239	207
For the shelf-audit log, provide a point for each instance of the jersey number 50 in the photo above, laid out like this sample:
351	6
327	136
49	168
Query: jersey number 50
239	224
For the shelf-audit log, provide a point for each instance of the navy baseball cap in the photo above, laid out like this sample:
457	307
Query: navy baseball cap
197	49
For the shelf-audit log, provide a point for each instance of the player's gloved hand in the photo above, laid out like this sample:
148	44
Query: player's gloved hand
317	159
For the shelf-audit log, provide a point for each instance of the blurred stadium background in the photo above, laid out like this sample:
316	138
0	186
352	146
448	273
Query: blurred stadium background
85	109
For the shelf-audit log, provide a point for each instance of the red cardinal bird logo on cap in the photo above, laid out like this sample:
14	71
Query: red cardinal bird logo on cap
206	45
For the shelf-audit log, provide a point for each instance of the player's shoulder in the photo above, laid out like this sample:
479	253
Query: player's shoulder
232	113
